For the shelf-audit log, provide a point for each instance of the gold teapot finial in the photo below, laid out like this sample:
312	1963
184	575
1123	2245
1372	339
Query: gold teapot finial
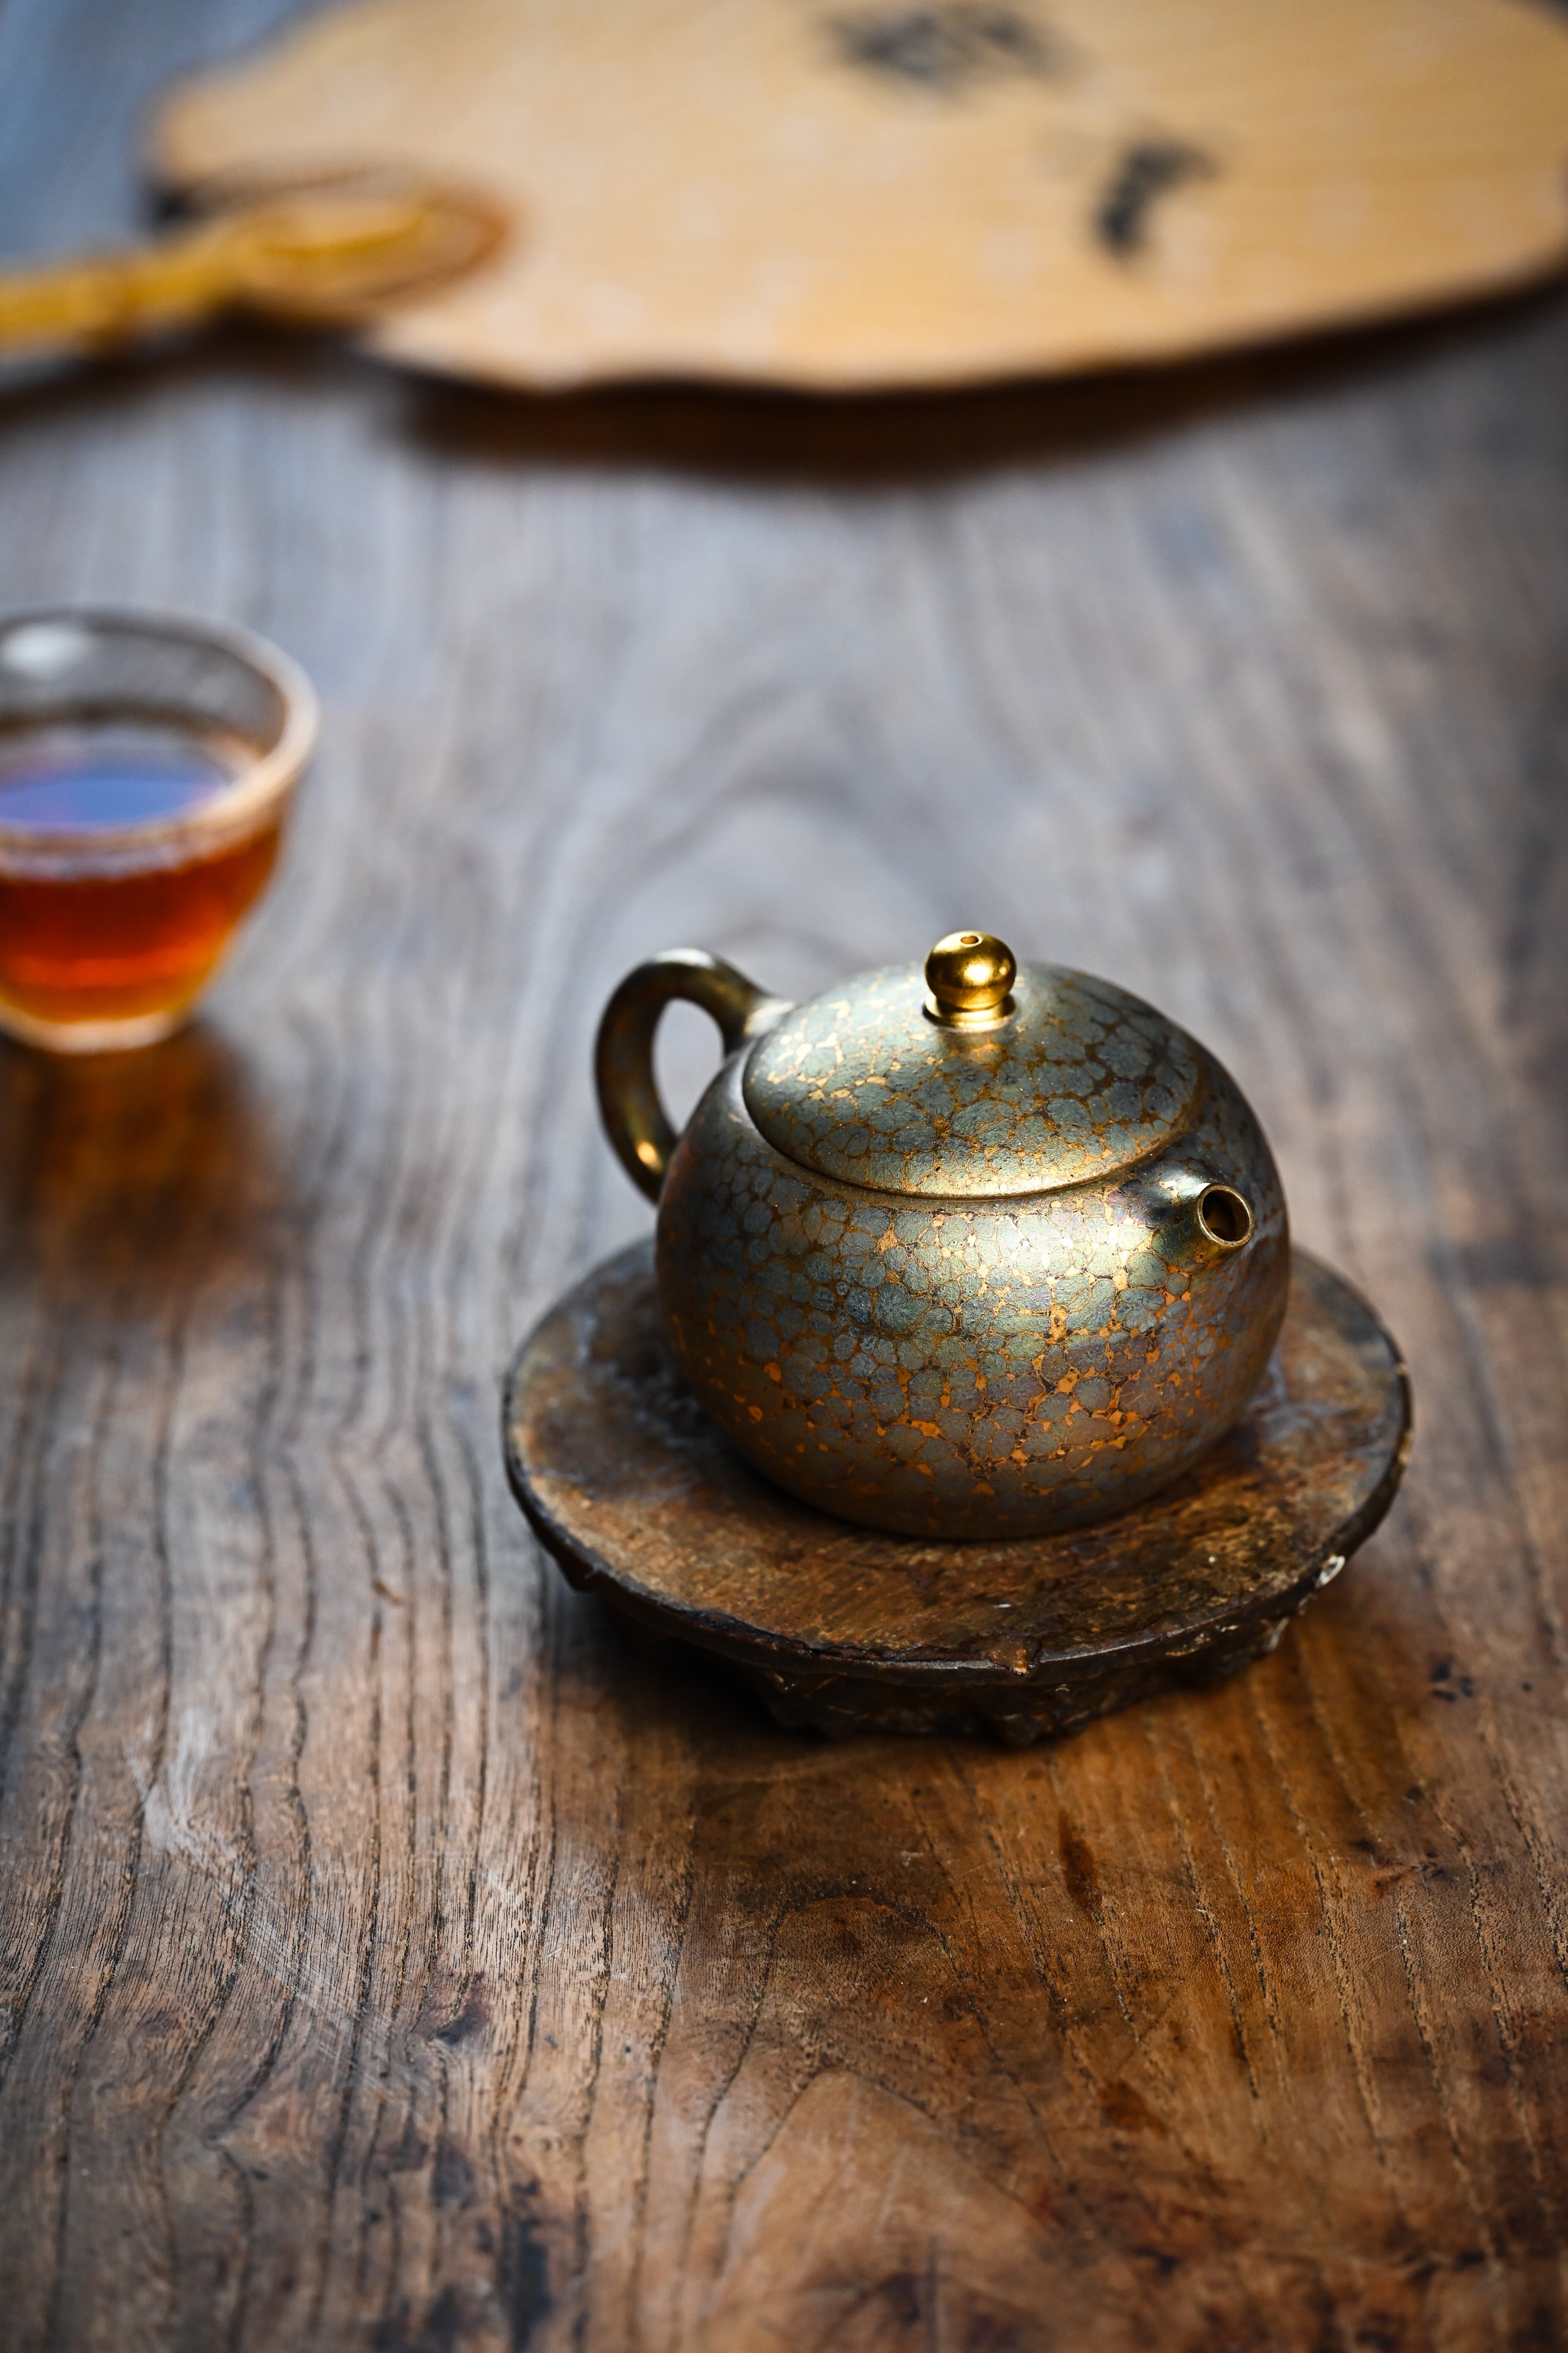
969	975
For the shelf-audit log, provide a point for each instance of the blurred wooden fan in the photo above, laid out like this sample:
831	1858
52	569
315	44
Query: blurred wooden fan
855	192
337	249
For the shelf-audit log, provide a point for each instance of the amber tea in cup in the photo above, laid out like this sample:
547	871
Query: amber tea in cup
146	768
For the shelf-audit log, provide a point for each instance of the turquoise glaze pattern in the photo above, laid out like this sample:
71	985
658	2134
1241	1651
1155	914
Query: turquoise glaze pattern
960	1368
947	1282
860	1084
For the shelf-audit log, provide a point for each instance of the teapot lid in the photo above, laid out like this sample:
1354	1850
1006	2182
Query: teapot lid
981	1077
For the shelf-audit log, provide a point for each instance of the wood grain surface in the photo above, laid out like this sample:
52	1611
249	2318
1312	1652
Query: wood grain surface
388	1959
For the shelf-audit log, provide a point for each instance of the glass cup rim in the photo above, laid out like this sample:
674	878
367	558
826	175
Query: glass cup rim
234	809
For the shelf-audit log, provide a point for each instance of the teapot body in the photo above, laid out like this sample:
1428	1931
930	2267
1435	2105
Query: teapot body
982	1365
969	1368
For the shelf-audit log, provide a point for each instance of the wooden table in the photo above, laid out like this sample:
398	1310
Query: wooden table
389	1959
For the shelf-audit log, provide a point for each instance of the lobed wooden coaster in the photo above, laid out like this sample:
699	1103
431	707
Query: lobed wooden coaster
859	194
642	1501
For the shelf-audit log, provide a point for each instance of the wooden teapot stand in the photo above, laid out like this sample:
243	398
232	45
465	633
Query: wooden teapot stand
842	1629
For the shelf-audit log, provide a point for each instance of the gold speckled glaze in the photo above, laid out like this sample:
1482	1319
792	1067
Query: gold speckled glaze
952	1282
860	1085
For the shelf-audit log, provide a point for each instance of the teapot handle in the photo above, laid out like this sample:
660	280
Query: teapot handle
634	1117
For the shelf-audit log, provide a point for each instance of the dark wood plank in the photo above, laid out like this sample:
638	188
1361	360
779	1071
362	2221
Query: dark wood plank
387	1958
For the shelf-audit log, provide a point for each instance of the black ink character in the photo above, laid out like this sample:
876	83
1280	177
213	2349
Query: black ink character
1143	173
947	46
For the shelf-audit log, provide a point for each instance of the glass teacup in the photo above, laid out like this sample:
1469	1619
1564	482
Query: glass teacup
146	768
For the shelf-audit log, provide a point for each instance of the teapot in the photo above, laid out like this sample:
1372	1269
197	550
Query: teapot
981	1249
